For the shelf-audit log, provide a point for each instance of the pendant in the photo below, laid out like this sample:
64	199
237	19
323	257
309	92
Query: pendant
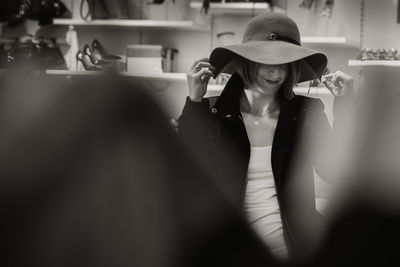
256	123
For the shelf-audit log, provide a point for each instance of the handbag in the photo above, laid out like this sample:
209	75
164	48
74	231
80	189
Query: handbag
38	52
104	9
117	9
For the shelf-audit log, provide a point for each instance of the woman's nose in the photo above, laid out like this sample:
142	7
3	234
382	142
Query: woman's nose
274	72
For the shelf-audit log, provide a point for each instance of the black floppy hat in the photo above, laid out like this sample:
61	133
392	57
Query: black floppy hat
271	38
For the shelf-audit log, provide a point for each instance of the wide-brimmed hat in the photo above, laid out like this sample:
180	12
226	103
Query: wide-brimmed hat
271	38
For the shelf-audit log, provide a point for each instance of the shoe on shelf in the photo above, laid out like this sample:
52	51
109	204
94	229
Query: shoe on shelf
99	52
86	62
89	52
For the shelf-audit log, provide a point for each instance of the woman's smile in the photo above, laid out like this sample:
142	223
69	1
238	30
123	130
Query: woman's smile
270	78
273	81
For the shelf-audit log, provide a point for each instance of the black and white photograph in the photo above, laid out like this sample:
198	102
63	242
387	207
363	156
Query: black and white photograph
199	133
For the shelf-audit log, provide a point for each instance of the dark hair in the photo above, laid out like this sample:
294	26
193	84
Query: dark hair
248	69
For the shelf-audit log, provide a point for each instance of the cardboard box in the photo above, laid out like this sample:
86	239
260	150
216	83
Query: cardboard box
144	58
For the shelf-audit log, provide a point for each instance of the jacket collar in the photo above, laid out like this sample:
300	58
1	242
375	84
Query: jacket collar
228	102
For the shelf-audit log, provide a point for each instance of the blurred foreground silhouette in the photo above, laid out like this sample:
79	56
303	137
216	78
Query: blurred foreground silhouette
91	174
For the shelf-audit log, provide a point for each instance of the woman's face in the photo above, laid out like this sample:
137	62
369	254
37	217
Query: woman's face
269	78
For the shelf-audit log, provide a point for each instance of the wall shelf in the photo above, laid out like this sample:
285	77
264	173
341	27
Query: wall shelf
212	89
4	40
138	23
235	8
173	77
216	89
374	63
329	40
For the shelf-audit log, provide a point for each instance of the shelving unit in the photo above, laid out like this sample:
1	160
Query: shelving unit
171	77
329	40
212	89
372	63
70	72
6	40
216	89
248	8
59	41
138	23
236	8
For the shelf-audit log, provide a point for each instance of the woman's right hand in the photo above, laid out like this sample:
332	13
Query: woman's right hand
339	83
198	78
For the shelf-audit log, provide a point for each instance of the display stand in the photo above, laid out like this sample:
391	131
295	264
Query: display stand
374	63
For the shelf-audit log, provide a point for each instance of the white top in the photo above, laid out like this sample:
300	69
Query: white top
261	204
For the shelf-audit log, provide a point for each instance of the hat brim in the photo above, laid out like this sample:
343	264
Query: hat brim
312	63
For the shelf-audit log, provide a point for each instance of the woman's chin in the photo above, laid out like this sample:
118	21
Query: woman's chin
267	91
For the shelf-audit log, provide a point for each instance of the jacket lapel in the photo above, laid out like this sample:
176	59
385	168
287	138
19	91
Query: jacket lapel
228	101
284	138
227	105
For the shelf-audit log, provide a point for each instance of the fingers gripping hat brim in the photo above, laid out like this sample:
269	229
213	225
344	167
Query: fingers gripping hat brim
312	63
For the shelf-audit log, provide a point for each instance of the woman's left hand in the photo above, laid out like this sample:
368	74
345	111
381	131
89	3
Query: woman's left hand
339	83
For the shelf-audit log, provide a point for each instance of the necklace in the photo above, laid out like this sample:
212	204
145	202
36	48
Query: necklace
257	122
256	119
245	106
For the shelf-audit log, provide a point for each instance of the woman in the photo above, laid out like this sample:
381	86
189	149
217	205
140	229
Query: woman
253	139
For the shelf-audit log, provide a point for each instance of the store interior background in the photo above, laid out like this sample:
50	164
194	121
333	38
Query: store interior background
380	31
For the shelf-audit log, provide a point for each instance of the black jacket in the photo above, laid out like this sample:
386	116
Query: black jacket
216	135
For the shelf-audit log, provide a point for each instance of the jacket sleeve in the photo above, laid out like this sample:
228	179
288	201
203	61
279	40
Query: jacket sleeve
195	127
328	144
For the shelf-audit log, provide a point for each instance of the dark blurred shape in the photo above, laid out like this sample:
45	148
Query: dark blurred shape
91	174
36	51
377	157
155	2
46	10
15	12
363	235
3	57
21	15
8	8
366	229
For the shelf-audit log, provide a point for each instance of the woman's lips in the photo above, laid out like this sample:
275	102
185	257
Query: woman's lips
272	81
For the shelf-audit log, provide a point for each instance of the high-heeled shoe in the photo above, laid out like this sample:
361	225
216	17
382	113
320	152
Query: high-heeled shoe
88	51
86	62
101	53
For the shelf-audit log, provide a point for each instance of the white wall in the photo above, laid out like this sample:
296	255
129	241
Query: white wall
382	30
